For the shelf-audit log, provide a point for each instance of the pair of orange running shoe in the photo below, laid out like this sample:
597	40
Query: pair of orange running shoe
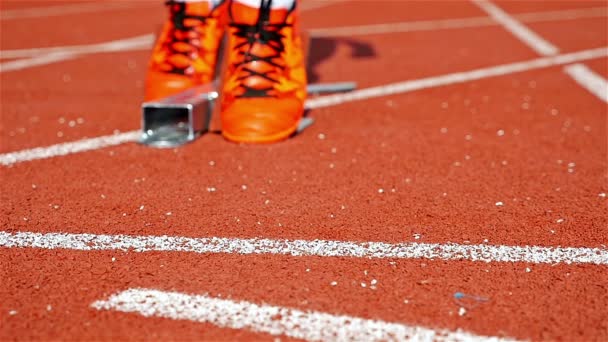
263	85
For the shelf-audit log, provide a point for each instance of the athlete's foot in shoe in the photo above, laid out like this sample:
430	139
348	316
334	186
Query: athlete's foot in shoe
264	87
185	54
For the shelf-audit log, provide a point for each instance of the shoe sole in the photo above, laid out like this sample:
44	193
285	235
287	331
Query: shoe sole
266	139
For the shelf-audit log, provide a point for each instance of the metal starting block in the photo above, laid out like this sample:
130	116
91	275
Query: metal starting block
181	118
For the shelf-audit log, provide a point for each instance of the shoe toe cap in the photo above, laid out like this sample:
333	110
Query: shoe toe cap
261	119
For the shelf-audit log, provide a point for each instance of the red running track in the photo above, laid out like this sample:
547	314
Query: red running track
427	166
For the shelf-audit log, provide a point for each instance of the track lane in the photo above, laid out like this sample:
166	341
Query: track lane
372	12
571	35
28	4
446	187
600	67
402	140
540	5
108	96
82	28
70	100
412	292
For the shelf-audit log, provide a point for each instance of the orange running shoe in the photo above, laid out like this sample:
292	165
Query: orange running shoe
185	54
264	85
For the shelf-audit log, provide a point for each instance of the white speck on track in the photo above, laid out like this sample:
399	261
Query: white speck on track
301	248
326	101
273	320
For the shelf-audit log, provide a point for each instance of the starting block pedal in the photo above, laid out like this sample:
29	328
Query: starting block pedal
181	118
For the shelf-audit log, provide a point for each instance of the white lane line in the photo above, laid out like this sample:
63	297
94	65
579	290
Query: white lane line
58	54
274	320
58	10
540	45
455	78
144	42
325	101
580	73
458	23
299	248
401	27
43	56
557	15
69	148
36	61
588	79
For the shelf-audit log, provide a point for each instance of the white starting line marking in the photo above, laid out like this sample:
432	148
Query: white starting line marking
298	248
274	320
580	73
325	101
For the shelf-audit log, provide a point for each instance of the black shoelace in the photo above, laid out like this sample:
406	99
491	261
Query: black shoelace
264	33
190	36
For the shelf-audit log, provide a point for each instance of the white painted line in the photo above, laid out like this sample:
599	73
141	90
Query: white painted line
142	42
299	248
58	10
330	100
458	23
43	56
558	15
455	78
274	320
36	61
589	80
579	72
402	27
68	148
540	45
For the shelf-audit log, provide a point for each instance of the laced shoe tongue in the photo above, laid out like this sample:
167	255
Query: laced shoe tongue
186	37
260	44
